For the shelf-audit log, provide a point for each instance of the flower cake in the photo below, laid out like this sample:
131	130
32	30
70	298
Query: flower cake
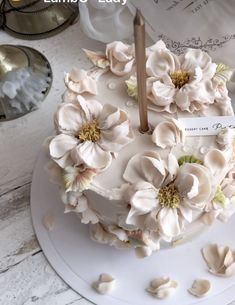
144	191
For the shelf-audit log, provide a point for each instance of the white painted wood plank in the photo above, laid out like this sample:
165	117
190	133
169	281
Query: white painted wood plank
17	238
34	282
25	275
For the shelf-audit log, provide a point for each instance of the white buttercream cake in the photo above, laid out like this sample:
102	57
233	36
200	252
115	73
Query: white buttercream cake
144	191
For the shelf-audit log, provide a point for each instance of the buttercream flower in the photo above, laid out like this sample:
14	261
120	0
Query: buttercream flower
225	138
224	199
168	134
88	134
78	179
105	284
185	79
162	195
121	57
162	288
220	260
79	81
77	202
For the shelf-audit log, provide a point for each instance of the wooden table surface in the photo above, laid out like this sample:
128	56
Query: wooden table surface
26	278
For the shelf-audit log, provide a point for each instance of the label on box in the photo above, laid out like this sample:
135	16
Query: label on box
206	126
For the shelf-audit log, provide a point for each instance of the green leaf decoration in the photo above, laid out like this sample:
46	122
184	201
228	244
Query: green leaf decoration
189	159
223	72
132	89
219	197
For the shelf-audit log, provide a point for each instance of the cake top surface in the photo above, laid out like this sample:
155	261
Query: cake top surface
162	179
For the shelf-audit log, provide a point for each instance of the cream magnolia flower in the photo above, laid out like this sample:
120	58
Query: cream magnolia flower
88	134
185	80
77	202
121	57
168	134
79	81
163	195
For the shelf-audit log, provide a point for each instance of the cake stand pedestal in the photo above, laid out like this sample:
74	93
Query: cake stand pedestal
79	261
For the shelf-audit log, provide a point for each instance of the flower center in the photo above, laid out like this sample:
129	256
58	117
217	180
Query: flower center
169	196
180	78
89	132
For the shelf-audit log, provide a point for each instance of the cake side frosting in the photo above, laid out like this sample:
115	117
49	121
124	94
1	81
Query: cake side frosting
138	190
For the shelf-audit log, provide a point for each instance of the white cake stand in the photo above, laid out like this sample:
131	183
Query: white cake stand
79	261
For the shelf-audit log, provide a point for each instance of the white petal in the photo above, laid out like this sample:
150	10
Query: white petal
91	108
186	213
109	116
195	187
116	138
153	170
163	93
148	167
144	201
188	184
61	144
200	288
169	222
215	161
168	134
162	62
195	57
92	155
172	166
69	118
